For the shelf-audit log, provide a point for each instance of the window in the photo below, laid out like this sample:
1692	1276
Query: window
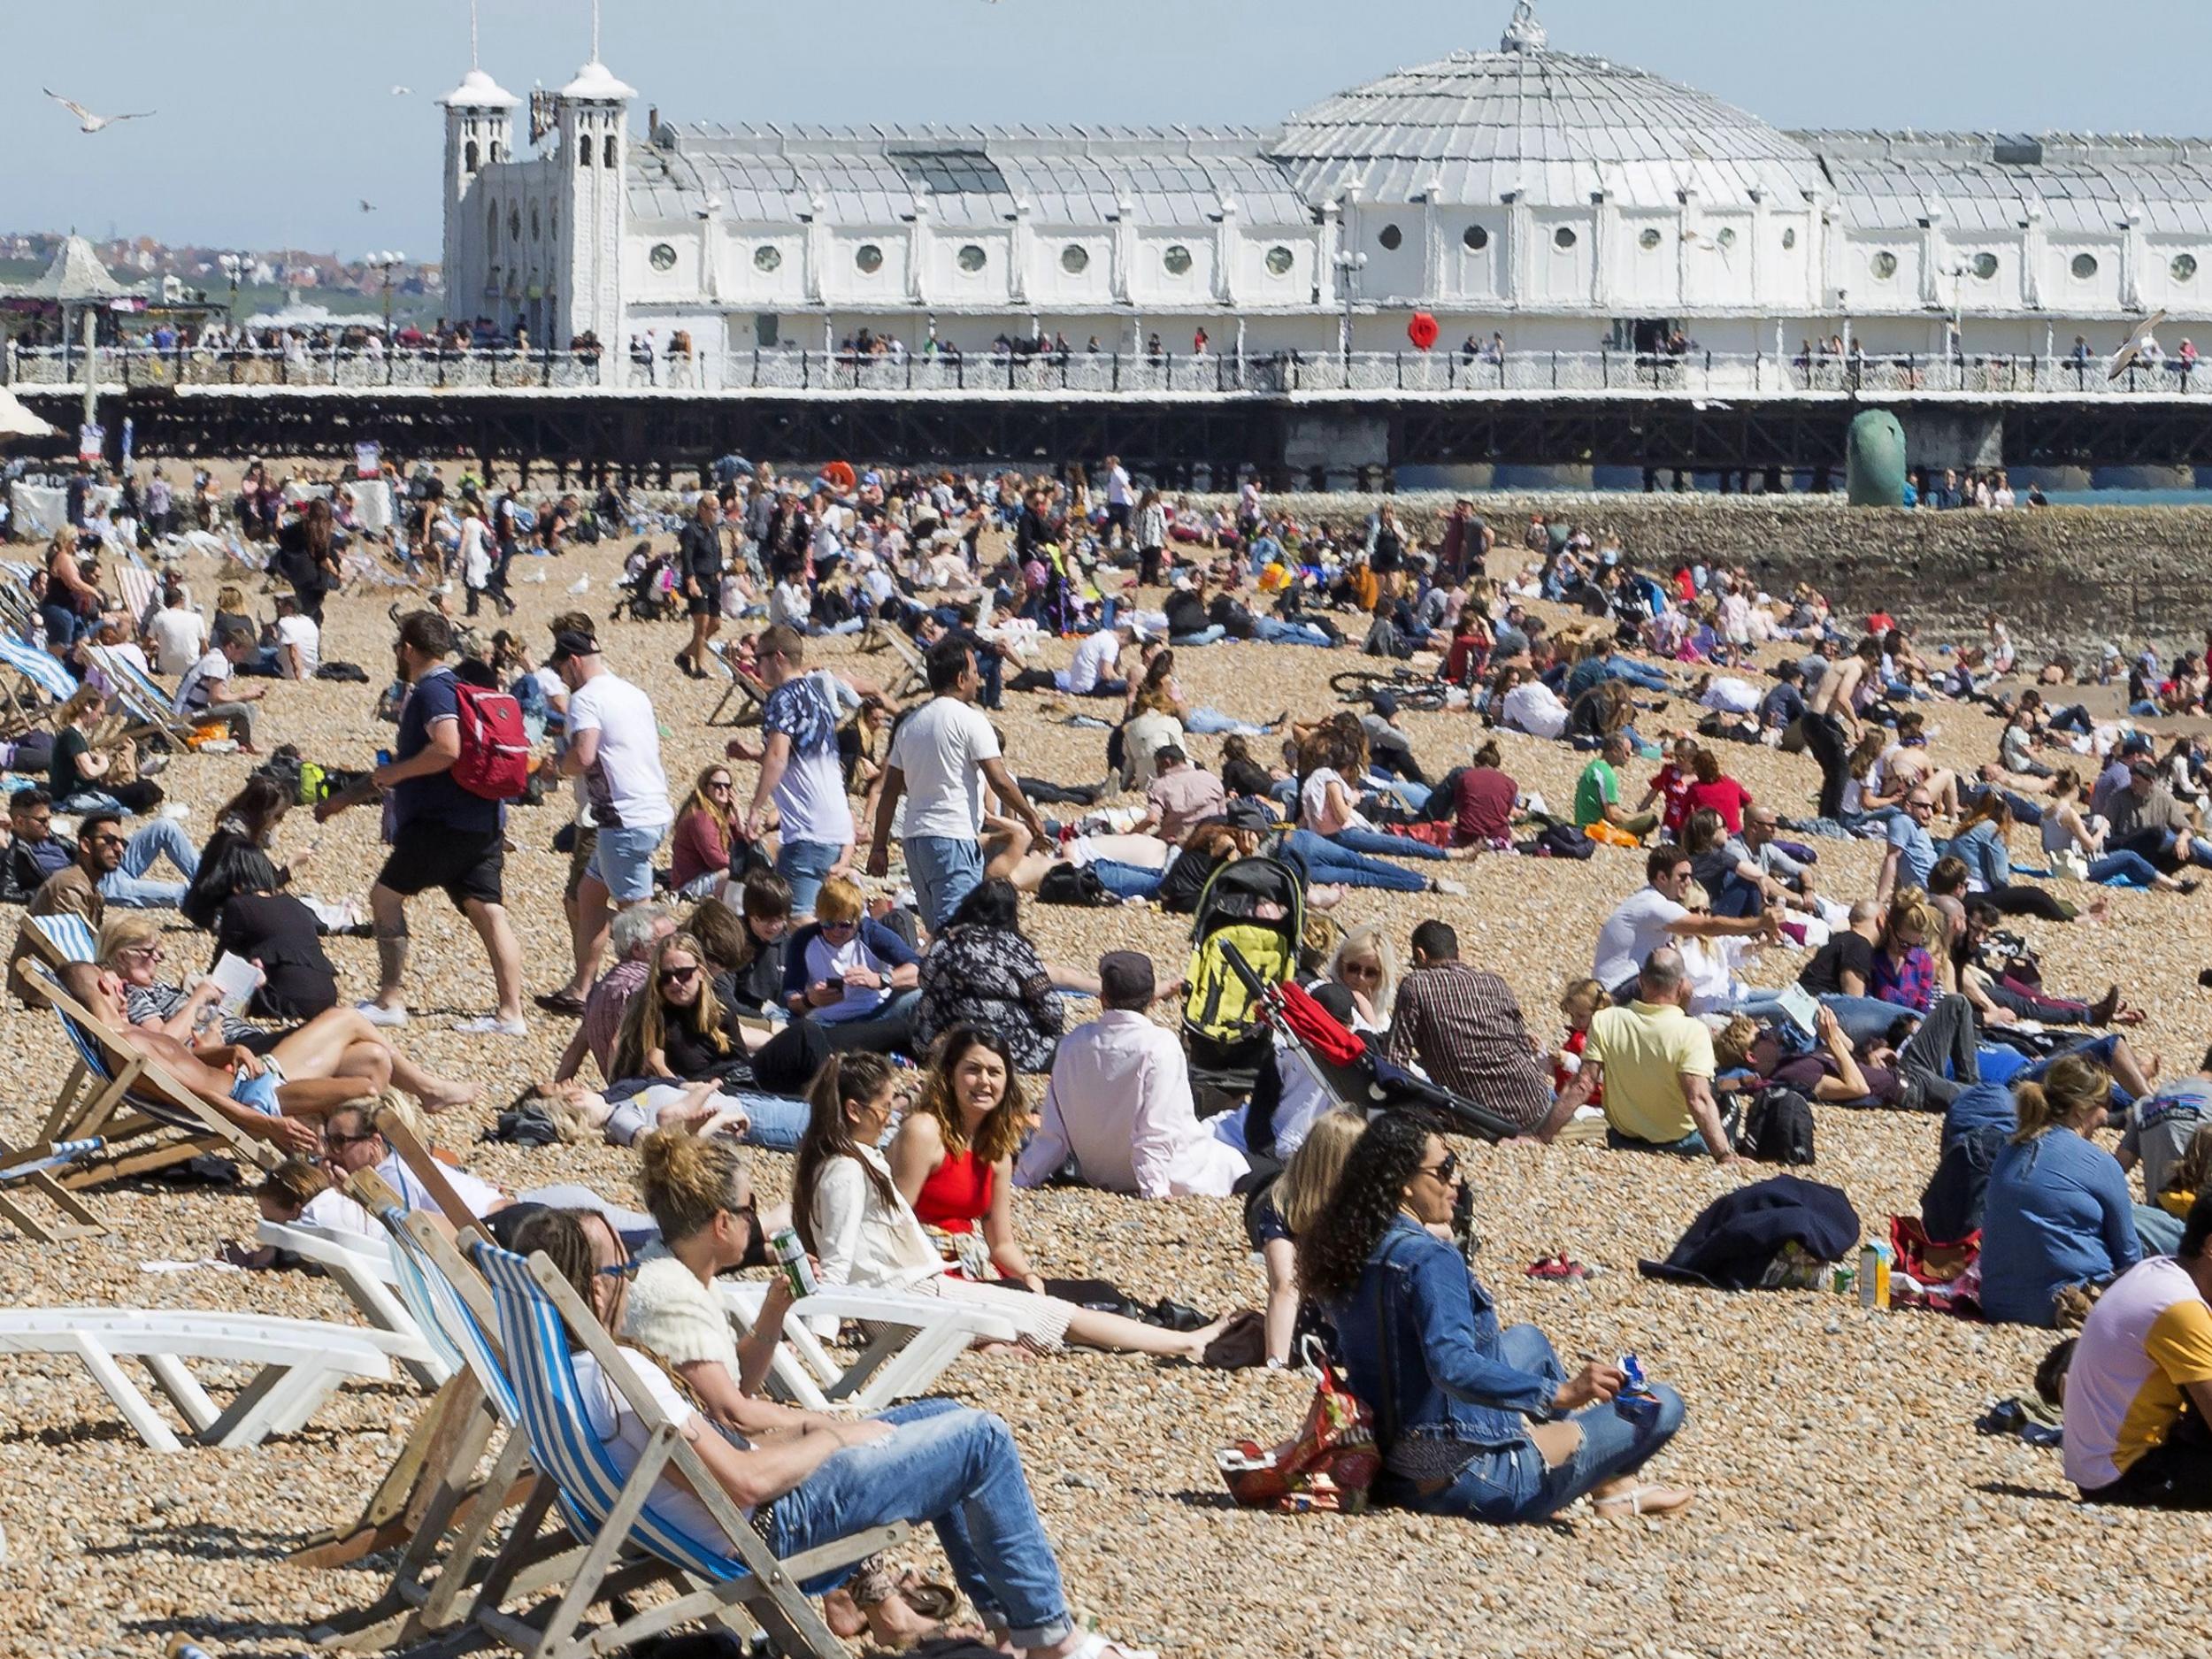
1177	259
583	151
951	172
1564	238
1391	236
491	225
869	258
2183	268
1475	238
1075	259
1727	237
1984	266
971	257
1279	261
767	258
609	151
471	158
664	256
537	223
1789	240
1647	240
1885	265
2084	267
514	224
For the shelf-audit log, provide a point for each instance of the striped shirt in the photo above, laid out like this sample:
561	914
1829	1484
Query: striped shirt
1465	1029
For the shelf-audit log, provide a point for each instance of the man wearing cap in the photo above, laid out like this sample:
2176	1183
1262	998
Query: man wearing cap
613	743
1119	1104
2145	819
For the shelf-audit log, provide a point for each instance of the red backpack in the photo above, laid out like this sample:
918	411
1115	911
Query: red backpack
494	759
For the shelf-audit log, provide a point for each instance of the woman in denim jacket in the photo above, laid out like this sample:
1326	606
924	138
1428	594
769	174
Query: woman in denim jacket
1473	1420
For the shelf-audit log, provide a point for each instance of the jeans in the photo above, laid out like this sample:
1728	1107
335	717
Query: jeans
1513	1483
804	864
622	858
943	872
1691	1145
1636	673
960	1470
1331	861
1206	636
1380	843
163	838
1204	722
1127	881
1274	631
2131	868
1940	1056
242	718
1864	1019
889	1030
2158	1232
1825	738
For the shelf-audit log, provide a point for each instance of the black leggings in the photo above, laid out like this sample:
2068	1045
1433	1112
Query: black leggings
2026	901
2174	1475
1825	738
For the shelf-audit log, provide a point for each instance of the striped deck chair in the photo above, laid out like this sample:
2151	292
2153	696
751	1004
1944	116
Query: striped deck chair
31	686
632	1541
21	1182
145	706
743	689
141	590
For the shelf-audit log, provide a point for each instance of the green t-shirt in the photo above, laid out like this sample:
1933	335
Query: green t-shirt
1599	788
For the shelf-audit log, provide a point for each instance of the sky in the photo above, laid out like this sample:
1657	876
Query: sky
276	118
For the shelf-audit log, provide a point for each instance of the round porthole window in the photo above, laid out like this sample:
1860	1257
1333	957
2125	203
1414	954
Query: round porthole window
869	258
2084	267
1647	240
1885	265
1789	240
1564	238
1075	259
1391	237
664	256
971	257
1279	261
767	258
2183	268
1726	239
1984	266
1177	259
1476	237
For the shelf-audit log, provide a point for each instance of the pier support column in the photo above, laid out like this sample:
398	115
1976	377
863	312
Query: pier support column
1952	437
1335	442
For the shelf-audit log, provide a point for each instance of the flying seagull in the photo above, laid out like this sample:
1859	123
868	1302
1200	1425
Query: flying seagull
400	92
87	121
367	206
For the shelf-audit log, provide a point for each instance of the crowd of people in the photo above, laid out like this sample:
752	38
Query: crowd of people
817	949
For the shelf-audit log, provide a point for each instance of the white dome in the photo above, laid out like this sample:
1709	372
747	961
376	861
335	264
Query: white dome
1555	126
478	91
597	83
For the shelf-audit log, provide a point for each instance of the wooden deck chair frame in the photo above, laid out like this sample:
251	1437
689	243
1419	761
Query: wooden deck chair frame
146	711
750	696
23	1183
629	1546
913	675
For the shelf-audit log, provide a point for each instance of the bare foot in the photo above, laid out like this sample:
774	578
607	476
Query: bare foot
1629	1502
435	1101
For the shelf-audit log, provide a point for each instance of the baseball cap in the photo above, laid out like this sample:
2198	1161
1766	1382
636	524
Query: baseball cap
571	642
1125	979
1248	815
1386	703
2145	770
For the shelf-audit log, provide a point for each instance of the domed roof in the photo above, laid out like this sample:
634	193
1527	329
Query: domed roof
1556	127
478	91
596	83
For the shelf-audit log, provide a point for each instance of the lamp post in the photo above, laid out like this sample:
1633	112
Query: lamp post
1349	265
235	265
387	262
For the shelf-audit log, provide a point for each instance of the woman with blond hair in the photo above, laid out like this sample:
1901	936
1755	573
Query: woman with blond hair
2059	1214
699	860
1276	1216
851	974
1365	964
676	1028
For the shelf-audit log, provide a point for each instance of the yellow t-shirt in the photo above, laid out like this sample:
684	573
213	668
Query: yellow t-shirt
2149	1337
1646	1050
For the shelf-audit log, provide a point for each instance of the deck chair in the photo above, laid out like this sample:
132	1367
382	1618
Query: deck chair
31	686
361	1267
743	689
21	1184
631	1541
299	1363
141	585
913	676
912	1341
145	706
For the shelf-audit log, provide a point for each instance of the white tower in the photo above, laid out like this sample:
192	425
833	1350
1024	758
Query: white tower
480	123
594	162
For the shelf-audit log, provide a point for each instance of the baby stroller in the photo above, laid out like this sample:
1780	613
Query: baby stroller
1255	910
1340	1061
648	589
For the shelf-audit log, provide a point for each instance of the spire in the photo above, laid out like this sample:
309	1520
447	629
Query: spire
1524	33
475	61
595	31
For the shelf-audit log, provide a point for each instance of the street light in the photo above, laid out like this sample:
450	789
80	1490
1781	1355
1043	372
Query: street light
1349	265
235	265
387	262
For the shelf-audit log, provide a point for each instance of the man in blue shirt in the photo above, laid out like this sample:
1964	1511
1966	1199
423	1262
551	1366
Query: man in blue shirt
443	836
1912	852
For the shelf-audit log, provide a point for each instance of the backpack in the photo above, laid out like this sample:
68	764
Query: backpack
1074	884
1779	1128
494	759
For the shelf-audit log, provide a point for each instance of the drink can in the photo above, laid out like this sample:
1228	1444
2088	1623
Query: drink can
792	1254
1636	1402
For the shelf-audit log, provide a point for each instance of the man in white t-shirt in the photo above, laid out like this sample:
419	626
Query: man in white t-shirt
801	771
1654	915
299	642
613	743
1092	672
940	758
1120	498
209	691
176	635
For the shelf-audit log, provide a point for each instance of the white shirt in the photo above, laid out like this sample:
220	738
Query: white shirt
1095	659
1143	738
811	797
1313	803
481	1197
627	787
1118	487
302	634
476	559
625	1435
1533	707
863	1240
1731	695
203	684
1120	1101
1632	933
942	750
180	637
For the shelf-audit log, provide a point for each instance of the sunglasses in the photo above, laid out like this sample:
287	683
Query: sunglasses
841	927
620	1270
1445	1172
332	1138
717	783
679	976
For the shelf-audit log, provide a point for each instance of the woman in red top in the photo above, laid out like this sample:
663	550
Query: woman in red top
1671	783
1715	790
1470	651
700	847
953	1160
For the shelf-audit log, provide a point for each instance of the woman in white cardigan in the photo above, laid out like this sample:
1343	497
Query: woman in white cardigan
863	1231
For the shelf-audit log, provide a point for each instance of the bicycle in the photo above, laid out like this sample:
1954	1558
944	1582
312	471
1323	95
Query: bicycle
1413	689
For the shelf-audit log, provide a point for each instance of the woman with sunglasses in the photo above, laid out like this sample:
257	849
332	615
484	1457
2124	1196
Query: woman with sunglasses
676	1026
852	975
700	847
1473	1419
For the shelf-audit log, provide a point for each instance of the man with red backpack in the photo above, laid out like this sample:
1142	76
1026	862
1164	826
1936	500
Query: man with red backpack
459	753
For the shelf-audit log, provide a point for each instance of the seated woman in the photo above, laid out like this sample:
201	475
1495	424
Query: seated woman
239	858
676	1028
748	947
700	846
1713	790
925	1461
981	970
2059	1212
1366	966
852	975
1981	844
1904	970
80	777
1277	1215
277	934
863	1227
1328	811
2064	830
1454	1394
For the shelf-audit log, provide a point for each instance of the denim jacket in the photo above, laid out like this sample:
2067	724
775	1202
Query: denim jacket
1984	852
1417	1294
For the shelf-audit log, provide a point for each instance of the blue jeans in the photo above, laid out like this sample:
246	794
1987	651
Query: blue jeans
1383	843
958	1469
622	860
1127	881
1330	861
2132	868
1863	1018
2158	1232
1212	723
162	838
777	1121
1206	636
1636	673
1275	630
804	864
943	872
1512	1484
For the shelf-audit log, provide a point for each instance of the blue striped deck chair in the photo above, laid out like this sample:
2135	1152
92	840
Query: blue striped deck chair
31	1176
631	1539
746	692
31	686
146	711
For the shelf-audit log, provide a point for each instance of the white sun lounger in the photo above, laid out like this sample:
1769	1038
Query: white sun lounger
913	1339
299	1361
361	1265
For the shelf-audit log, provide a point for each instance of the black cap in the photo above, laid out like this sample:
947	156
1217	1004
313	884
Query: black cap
2144	769
571	642
1249	814
1125	979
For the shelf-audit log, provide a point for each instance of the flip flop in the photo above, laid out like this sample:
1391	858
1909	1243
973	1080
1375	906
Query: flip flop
1556	1266
1634	1498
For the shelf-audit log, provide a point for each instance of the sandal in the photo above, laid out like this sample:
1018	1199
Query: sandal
1556	1266
1635	1498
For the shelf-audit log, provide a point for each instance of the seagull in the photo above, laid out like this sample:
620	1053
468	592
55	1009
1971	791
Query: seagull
367	206
87	121
400	92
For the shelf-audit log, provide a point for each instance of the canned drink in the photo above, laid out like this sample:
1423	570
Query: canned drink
792	1254
1636	1402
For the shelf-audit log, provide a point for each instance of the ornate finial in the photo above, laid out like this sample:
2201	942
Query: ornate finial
1524	33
